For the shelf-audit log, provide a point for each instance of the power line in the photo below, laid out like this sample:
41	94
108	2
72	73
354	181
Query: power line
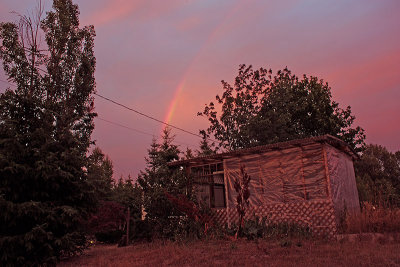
150	117
139	131
140	113
126	127
7	82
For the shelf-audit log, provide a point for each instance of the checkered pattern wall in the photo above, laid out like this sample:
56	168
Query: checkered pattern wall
319	215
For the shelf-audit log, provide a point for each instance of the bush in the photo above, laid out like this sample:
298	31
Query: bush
110	216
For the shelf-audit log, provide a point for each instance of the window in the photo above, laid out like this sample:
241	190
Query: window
209	184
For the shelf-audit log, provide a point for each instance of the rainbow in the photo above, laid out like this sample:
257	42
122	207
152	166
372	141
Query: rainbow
181	85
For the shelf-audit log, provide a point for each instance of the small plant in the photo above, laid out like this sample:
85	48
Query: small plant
254	228
241	186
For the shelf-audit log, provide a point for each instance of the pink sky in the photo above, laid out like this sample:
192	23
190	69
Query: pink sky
167	58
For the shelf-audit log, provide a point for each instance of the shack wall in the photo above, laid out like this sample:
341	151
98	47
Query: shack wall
281	176
286	185
343	182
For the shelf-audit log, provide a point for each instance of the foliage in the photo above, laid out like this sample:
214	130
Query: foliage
378	176
158	178
45	129
188	154
260	109
107	224
196	216
128	194
110	216
100	174
206	149
257	227
241	186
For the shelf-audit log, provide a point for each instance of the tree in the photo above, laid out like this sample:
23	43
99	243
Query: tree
378	176
158	179
188	154
260	109
206	149
100	174
45	129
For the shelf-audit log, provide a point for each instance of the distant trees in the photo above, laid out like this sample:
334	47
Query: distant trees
378	175
45	132
261	109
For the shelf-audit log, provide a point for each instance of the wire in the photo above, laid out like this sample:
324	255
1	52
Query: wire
139	131
150	117
126	127
7	82
140	113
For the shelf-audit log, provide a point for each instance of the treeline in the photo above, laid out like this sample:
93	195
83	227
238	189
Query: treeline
154	200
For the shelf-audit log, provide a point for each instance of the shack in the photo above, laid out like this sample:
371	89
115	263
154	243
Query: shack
309	182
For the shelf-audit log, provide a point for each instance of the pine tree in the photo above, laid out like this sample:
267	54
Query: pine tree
45	128
158	179
206	149
100	174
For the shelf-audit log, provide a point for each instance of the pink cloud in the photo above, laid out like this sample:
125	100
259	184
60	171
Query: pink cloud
370	76
112	11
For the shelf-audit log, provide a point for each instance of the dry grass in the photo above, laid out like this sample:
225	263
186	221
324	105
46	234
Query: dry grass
243	253
373	219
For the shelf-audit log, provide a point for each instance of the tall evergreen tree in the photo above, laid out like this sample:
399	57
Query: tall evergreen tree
158	179
100	174
45	128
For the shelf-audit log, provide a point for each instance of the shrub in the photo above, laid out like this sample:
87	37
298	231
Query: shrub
110	216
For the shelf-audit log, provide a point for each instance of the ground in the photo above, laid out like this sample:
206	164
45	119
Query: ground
243	253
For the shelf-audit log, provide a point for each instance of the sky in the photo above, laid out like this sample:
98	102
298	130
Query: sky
167	59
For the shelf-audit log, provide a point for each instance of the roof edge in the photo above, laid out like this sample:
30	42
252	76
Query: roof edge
334	141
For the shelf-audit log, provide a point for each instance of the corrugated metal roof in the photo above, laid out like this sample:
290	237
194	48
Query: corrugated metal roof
334	141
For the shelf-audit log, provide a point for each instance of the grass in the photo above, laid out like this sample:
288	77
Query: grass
243	253
373	219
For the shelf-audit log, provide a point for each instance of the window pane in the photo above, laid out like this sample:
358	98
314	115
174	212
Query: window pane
219	198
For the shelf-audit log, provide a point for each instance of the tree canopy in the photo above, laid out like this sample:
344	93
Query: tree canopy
45	132
378	175
261	109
